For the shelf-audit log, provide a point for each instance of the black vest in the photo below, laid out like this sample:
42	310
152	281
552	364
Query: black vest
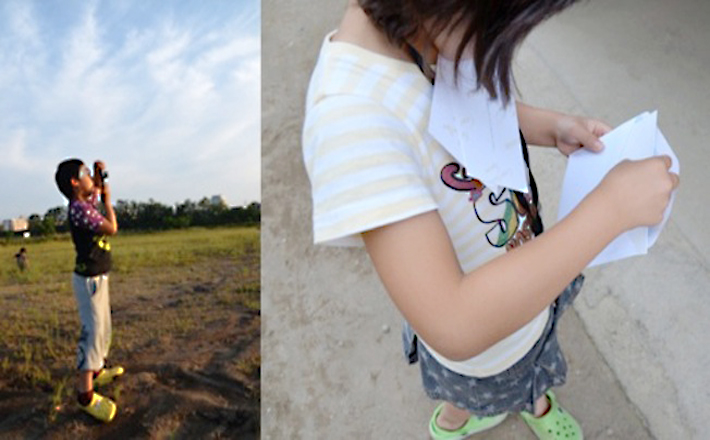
93	252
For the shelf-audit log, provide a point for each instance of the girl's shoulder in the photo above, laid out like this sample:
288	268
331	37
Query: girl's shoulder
348	69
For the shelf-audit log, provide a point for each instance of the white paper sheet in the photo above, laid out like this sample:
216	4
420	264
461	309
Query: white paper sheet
635	139
482	134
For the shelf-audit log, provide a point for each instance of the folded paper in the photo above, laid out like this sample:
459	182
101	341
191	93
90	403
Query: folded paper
481	133
636	139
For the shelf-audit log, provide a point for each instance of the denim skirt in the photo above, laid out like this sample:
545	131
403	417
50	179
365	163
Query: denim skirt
513	390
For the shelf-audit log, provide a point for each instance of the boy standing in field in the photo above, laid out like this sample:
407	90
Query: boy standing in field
90	279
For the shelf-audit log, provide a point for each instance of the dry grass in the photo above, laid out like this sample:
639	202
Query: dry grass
198	274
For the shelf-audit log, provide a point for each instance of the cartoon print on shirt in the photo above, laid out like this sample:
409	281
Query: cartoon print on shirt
102	242
513	213
454	176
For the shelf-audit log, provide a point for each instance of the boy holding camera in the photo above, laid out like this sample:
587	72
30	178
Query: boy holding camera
89	229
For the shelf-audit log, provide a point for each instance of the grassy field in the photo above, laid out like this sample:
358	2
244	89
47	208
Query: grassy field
167	290
54	257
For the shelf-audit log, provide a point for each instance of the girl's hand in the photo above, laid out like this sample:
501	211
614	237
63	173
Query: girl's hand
574	132
639	191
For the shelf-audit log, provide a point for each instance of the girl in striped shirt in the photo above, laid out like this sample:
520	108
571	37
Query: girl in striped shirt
480	286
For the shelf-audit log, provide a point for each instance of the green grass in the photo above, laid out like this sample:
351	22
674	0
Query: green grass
192	275
50	259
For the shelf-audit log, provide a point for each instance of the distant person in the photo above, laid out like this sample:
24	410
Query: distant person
90	279
23	261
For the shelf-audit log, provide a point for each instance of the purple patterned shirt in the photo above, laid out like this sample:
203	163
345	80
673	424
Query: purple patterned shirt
93	252
84	215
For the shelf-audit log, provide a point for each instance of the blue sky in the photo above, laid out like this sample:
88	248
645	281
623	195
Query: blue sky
167	93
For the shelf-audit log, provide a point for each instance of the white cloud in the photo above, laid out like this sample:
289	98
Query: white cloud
174	110
14	152
23	25
248	72
234	49
82	51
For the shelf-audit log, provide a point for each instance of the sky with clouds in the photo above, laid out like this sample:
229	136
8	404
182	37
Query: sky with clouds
167	93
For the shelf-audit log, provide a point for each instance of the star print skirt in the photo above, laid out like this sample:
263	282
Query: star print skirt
513	390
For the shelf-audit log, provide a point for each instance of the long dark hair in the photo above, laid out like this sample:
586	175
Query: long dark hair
496	27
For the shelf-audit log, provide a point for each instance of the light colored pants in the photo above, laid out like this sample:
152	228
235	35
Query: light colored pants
92	301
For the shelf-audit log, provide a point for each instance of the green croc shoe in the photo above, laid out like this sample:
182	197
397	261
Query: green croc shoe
556	424
474	425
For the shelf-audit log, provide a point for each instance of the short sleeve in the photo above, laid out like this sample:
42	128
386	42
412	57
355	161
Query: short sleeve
364	168
84	215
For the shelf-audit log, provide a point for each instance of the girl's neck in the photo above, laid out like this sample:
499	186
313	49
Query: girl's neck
82	197
356	28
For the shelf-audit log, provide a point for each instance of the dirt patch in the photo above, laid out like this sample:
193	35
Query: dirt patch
188	337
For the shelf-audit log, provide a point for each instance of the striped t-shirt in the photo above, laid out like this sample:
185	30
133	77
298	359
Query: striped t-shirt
371	163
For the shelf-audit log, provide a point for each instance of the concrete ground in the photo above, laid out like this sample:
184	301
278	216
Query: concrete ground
636	340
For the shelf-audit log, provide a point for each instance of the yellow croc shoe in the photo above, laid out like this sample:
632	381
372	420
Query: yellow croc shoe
101	408
107	375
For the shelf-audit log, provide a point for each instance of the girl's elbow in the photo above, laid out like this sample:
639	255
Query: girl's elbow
109	229
458	349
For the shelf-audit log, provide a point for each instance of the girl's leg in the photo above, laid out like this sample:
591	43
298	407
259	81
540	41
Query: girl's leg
452	417
542	406
85	381
104	311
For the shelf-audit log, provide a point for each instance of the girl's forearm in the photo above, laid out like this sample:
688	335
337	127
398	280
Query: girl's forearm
511	290
461	315
538	125
111	215
109	225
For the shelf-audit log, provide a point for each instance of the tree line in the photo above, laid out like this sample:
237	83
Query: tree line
153	216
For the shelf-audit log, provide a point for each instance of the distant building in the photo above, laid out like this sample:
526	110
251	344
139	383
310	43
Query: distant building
218	200
19	224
